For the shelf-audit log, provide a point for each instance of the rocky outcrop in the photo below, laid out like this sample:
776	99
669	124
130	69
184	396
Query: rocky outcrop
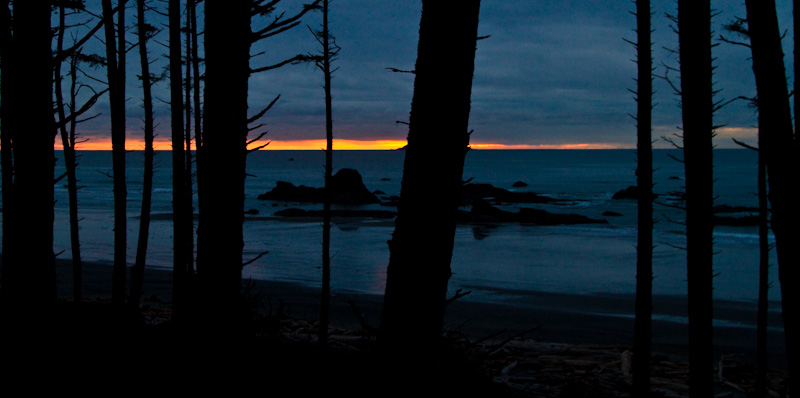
519	184
347	187
631	192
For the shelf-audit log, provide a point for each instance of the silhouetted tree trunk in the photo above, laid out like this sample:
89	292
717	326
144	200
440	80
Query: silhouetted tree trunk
67	127
189	224
6	163
329	51
779	147
221	195
422	243
29	278
137	272
70	162
115	59
198	112
644	175
694	27
228	36
180	218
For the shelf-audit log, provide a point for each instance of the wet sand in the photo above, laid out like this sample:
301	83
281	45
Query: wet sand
560	318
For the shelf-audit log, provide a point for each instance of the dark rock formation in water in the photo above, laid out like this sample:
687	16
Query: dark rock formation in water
519	184
347	187
631	192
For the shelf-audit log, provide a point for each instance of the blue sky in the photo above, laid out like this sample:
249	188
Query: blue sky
553	72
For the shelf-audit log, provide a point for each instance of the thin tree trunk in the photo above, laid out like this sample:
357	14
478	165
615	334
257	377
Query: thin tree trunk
189	222
137	272
6	162
115	55
72	181
694	26
69	158
778	146
179	271
325	65
422	243
644	258
198	111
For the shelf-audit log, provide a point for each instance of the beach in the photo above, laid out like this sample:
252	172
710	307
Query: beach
594	319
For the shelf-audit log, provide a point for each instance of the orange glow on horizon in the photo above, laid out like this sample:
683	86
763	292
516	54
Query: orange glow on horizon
349	145
550	146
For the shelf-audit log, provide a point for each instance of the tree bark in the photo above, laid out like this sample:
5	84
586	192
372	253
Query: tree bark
644	173
115	57
694	26
327	55
181	237
70	162
189	222
778	145
29	278
422	243
137	272
221	195
6	162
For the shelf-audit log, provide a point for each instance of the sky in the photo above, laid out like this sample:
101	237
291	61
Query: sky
552	74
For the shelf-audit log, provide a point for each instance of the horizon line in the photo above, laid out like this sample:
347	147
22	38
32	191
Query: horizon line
343	145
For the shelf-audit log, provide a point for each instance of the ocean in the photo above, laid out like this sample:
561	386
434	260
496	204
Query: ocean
493	261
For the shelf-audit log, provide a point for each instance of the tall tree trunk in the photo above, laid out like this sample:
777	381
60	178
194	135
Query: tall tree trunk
6	163
779	148
198	112
72	181
694	26
70	163
137	272
644	173
422	243
221	195
115	55
180	293
29	278
189	221
328	52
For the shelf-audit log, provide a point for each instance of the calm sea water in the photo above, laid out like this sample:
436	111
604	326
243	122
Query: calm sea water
491	260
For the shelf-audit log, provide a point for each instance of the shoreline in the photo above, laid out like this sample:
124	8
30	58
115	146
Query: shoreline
600	319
